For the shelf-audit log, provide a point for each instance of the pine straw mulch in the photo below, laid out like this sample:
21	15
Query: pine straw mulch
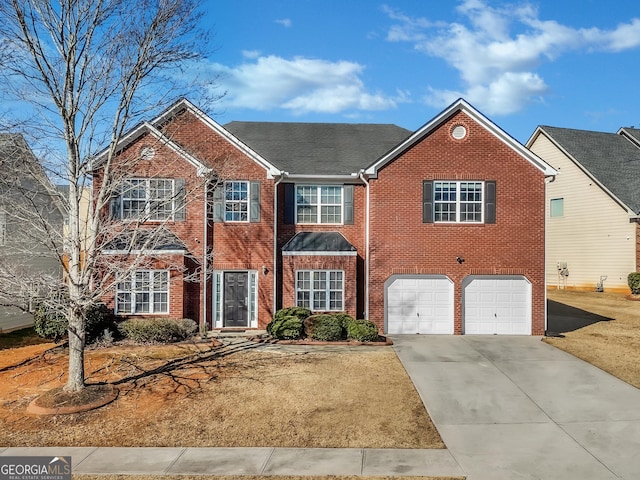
613	345
235	396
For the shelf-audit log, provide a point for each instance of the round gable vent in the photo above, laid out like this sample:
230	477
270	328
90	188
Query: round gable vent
459	132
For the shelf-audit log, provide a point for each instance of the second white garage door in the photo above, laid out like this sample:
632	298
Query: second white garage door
419	304
497	305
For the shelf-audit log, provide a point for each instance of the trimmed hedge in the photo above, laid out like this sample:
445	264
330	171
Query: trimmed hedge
158	329
289	327
362	331
296	322
634	283
324	327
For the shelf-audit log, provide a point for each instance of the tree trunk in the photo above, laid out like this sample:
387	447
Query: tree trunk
75	383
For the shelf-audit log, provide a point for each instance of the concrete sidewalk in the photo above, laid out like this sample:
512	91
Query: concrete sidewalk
251	461
515	407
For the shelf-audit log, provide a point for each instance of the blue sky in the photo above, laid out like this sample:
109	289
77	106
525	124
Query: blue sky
571	64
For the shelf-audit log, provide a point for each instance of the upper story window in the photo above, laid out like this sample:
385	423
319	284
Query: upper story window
459	201
150	199
556	207
319	204
236	201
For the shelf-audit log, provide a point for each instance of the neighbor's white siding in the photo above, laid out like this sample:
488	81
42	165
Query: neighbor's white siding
594	236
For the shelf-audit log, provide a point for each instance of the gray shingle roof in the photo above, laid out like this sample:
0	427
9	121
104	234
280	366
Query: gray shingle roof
318	242
612	159
318	148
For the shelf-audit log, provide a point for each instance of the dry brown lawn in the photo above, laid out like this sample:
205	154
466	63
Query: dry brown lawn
613	346
200	395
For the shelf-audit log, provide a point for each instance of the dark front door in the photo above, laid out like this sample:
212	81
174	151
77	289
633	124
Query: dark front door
236	298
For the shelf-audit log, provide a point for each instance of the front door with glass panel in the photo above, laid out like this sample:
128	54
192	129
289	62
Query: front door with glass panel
236	299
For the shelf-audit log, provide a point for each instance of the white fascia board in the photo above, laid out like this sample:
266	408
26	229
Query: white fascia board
323	179
540	131
271	169
462	106
144	252
319	254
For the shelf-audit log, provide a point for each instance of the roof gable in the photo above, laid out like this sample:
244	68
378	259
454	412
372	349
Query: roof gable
153	128
460	105
612	160
319	149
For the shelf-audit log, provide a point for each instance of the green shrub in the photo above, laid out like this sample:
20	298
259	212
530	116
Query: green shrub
289	327
52	324
362	331
299	312
634	282
345	318
312	321
327	328
157	330
49	323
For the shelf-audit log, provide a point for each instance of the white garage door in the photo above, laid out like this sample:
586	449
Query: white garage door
419	304
497	305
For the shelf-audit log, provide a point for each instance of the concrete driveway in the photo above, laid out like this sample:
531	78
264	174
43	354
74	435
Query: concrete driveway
517	408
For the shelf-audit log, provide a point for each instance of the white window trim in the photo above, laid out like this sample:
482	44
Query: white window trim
319	204
247	201
327	290
151	292
217	301
551	201
148	212
458	202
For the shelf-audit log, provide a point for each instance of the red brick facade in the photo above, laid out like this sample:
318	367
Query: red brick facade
398	240
401	244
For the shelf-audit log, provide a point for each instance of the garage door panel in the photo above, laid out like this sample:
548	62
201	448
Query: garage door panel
420	304
497	305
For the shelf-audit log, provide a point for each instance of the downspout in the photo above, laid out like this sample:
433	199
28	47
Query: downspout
366	242
275	241
203	327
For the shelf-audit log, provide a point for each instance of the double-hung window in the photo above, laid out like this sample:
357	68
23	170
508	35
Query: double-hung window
320	290
143	291
236	201
155	199
459	201
319	204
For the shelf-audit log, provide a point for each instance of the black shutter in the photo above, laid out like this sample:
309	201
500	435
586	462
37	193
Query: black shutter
490	202
427	201
218	203
348	205
180	200
115	206
289	203
254	202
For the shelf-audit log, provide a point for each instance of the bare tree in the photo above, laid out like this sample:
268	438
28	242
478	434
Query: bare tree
79	74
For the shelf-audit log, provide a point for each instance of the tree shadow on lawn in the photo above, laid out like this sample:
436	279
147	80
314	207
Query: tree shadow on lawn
563	318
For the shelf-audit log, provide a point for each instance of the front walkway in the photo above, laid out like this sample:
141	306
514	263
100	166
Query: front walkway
515	407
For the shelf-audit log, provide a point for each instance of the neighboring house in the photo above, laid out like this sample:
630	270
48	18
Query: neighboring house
592	206
30	232
436	231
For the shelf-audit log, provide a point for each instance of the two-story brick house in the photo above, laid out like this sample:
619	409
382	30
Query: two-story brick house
436	231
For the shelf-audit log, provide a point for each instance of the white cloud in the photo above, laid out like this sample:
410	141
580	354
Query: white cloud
496	51
285	22
300	85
